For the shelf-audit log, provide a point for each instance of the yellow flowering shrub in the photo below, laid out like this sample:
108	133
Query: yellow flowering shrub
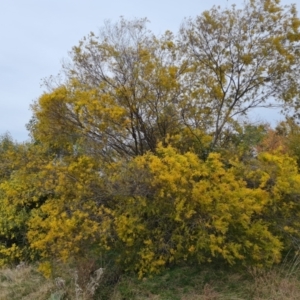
19	192
278	174
152	211
188	209
50	207
68	223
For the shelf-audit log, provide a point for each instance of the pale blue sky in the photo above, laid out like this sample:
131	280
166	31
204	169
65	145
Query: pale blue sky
36	36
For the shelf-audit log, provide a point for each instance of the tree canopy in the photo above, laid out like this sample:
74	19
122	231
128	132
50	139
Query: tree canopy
126	89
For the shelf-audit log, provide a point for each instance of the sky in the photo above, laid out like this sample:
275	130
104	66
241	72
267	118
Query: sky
36	36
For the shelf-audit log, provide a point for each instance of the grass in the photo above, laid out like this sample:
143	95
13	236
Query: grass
183	283
24	282
180	283
190	283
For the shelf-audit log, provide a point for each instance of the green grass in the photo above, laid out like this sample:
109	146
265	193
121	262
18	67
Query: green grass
189	283
182	283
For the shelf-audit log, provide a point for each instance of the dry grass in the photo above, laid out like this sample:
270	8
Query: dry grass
23	282
26	283
275	286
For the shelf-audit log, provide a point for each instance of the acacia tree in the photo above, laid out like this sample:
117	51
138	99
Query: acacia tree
241	59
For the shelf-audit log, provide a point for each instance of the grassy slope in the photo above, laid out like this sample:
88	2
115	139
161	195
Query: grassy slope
182	283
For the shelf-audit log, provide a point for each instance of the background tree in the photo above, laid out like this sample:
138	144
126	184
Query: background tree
241	59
